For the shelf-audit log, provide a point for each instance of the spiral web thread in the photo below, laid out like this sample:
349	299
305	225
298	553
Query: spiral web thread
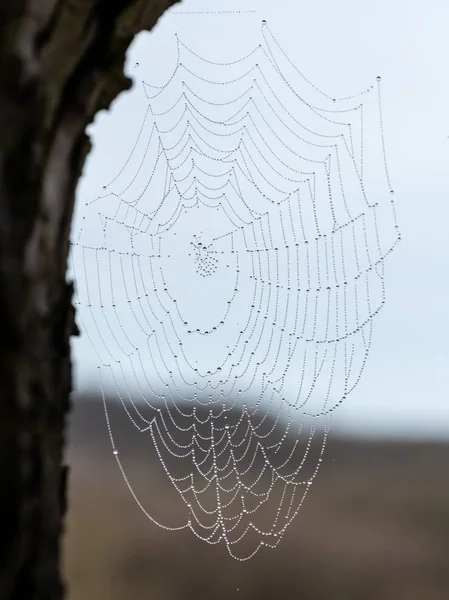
228	278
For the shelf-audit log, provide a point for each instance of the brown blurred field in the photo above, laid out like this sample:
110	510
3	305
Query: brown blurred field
374	526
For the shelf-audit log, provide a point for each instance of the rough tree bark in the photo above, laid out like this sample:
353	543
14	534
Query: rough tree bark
60	62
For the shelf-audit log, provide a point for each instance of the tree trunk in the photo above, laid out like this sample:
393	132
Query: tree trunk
60	62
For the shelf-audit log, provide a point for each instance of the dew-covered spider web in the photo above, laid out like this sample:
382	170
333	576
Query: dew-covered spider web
228	277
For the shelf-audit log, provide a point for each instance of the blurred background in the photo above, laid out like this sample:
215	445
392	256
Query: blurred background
375	524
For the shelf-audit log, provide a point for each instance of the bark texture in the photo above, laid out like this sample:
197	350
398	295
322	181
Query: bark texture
60	62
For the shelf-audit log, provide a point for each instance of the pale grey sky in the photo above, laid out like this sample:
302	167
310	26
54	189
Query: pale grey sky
341	47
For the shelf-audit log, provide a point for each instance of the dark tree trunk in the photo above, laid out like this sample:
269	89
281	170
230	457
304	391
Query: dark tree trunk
60	62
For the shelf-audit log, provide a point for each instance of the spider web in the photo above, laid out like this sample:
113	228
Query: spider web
228	277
